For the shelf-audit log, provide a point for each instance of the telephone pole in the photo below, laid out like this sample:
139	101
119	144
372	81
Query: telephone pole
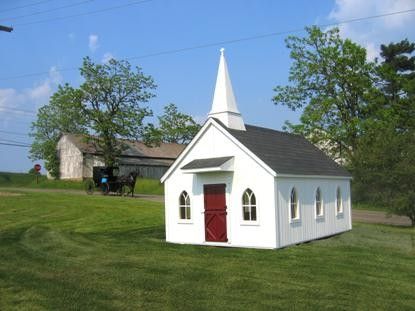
5	28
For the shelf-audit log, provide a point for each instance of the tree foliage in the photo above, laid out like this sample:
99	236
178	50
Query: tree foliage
174	127
62	115
384	166
112	95
331	80
107	105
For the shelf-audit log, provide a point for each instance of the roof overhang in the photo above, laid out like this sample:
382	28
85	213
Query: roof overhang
208	165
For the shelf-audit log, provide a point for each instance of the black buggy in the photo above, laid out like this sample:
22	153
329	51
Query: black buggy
107	179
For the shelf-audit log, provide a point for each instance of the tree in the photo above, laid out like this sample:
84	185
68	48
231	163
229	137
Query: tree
384	169
397	82
332	81
174	127
112	95
61	115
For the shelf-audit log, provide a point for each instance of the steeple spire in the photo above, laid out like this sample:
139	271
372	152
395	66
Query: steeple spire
224	104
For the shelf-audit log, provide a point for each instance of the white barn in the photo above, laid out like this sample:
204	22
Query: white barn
239	185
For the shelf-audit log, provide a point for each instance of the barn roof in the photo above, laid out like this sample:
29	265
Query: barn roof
135	149
287	153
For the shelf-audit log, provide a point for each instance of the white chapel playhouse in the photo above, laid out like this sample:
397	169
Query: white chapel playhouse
246	186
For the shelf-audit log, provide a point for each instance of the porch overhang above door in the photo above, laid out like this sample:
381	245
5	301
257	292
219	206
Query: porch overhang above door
222	164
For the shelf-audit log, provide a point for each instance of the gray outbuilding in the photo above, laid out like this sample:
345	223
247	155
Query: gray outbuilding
78	156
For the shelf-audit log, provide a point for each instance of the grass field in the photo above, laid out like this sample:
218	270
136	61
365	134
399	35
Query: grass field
143	185
73	252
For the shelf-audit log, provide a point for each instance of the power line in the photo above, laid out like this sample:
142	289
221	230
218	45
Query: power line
25	6
17	110
86	13
16	145
13	133
218	43
13	141
47	11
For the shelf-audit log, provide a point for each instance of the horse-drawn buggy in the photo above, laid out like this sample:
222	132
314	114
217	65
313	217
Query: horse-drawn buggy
107	179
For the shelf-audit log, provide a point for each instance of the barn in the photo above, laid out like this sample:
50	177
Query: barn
240	185
78	156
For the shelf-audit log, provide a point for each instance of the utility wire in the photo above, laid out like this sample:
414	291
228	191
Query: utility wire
25	6
86	13
14	133
13	141
218	43
17	110
47	11
16	145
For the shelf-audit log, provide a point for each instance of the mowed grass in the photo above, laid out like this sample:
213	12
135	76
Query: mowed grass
143	185
72	252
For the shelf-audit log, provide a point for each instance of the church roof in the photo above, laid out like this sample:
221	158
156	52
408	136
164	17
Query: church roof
287	153
206	163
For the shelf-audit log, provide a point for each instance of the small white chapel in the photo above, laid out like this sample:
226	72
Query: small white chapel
239	185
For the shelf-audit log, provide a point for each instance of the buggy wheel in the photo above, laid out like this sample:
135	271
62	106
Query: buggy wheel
105	188
89	186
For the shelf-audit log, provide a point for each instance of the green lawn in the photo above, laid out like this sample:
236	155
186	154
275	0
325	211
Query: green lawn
72	252
143	185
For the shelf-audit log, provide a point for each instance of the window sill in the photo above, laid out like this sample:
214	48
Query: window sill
185	222
249	223
320	217
295	221
340	215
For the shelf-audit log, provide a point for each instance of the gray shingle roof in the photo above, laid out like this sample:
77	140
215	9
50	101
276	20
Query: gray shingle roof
287	153
206	163
133	148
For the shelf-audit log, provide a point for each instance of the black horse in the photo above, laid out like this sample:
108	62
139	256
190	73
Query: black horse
127	183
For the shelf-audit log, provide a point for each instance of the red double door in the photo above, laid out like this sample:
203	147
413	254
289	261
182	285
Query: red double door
215	213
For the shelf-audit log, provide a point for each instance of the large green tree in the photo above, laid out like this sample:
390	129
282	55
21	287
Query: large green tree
384	167
331	81
112	98
174	127
61	115
107	106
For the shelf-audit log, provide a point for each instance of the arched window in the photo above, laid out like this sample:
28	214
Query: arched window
249	205
319	203
294	205
339	202
184	205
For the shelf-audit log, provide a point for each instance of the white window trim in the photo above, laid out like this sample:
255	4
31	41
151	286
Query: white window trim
321	215
185	220
298	218
249	222
339	212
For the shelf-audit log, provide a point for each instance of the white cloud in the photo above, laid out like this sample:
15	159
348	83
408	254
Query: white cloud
93	43
373	32
107	57
30	98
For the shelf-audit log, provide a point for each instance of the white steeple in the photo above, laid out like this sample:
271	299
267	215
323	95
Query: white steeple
224	104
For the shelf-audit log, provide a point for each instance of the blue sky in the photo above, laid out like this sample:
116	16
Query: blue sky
52	44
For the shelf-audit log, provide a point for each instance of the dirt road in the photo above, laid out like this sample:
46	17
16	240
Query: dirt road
376	217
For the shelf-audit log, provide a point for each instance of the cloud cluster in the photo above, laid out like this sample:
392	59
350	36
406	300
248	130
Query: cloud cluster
373	32
30	99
